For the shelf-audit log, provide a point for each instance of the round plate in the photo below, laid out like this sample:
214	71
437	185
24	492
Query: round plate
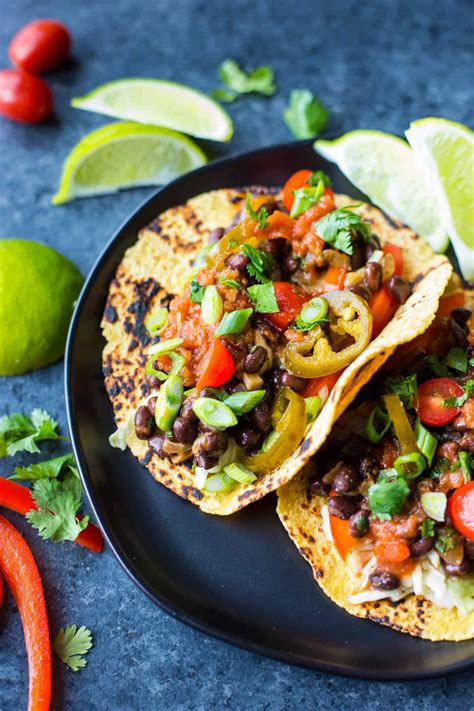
239	578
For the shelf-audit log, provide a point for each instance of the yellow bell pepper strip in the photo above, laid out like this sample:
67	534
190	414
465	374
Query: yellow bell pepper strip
289	422
401	425
315	357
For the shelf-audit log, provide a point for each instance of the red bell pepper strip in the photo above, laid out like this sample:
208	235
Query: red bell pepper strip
290	301
334	279
397	254
316	386
18	498
343	540
294	182
219	367
383	306
19	568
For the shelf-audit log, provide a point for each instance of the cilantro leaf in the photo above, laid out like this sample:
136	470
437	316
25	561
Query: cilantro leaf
428	528
19	433
261	263
437	367
340	227
50	469
232	283
263	296
317	176
196	291
261	216
404	387
71	644
457	359
58	503
306	198
387	497
259	80
461	399
305	115
225	96
447	539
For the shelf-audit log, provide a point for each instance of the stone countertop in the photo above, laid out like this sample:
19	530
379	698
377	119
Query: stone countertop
375	65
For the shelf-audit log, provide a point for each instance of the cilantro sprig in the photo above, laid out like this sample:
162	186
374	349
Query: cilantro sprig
20	433
196	291
461	399
339	227
305	115
386	497
260	265
58	502
404	387
260	216
259	81
263	297
71	644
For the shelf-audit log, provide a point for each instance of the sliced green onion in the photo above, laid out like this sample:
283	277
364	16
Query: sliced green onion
313	406
387	475
427	528
165	347
211	305
269	441
306	198
314	310
168	402
233	321
434	505
218	483
410	465
426	442
465	466
214	413
377	424
263	296
242	402
240	473
157	321
457	359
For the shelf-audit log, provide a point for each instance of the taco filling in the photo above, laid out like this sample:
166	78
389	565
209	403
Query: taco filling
274	309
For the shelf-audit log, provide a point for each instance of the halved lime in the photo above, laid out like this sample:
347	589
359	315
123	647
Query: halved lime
160	103
125	155
447	149
386	169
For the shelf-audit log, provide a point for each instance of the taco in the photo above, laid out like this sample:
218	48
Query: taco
385	512
241	324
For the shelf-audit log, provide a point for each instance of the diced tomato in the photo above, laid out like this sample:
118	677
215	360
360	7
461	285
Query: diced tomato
383	306
219	367
290	301
334	279
431	398
304	222
397	254
321	386
461	510
449	303
391	551
294	182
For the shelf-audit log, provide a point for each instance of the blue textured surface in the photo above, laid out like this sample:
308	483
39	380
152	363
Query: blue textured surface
375	65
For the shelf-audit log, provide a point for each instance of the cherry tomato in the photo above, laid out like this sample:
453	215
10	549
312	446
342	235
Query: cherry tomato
295	181
24	97
431	397
40	45
290	301
219	367
461	510
397	254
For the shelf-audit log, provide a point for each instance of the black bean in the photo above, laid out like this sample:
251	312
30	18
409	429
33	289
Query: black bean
152	381
255	359
359	523
316	486
276	246
144	423
213	442
185	430
151	403
461	316
206	461
274	379
156	445
238	350
268	331
291	264
383	580
187	409
421	546
342	506
271	207
246	437
237	261
399	288
373	276
469	549
216	235
235	387
346	478
261	417
460	569
361	291
467	442
449	434
294	382
459	332
368	467
358	255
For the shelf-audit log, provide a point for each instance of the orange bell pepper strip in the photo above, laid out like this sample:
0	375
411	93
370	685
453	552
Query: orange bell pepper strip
343	540
383	306
321	386
18	498
334	279
218	368
22	576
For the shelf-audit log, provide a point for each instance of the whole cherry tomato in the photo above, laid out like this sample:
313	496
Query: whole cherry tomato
24	97
40	45
461	510
432	395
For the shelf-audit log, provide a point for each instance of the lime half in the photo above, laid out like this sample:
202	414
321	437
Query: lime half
160	103
447	150
386	169
125	155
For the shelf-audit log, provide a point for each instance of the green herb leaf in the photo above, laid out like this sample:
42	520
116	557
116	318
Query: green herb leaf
233	322
305	115
386	498
261	216
225	96
259	80
437	367
404	387
263	296
339	227
50	469
230	283
19	433
57	504
71	644
447	539
261	263
196	291
317	176
457	359
427	528
306	198
459	401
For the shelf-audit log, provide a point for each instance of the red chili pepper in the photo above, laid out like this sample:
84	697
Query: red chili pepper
397	254
18	498
290	301
294	182
22	576
219	367
383	306
334	279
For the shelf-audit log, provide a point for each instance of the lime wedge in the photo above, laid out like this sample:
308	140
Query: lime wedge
386	169
125	155
447	150
160	103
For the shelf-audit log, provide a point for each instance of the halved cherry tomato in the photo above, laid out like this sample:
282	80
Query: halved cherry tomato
391	551
40	45
383	306
431	397
219	367
461	510
321	386
295	181
334	279
397	254
24	97
290	301
449	303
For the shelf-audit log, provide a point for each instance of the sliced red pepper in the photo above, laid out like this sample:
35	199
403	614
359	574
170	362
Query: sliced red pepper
290	301
383	306
334	279
321	386
397	254
22	576
218	368
18	498
449	303
294	182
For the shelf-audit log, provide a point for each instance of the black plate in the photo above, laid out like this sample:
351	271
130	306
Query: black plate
238	578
